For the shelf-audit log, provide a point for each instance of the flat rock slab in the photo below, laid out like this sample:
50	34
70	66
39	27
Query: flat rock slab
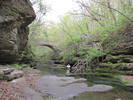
27	90
63	88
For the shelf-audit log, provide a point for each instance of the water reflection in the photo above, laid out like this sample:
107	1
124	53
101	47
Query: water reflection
50	70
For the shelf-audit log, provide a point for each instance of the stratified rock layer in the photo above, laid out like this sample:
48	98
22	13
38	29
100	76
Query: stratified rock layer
15	16
119	47
9	73
121	42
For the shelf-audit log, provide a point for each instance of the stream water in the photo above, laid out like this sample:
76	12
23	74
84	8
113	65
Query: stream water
94	88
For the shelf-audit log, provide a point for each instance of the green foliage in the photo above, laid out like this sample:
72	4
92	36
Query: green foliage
25	7
82	50
131	60
109	55
16	65
3	2
41	8
119	61
79	40
89	69
124	81
0	72
72	29
68	54
95	52
110	28
8	8
109	62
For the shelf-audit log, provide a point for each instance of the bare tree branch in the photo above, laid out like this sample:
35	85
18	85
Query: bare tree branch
92	16
114	10
68	33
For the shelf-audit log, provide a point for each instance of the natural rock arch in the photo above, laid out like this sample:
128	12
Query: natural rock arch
50	46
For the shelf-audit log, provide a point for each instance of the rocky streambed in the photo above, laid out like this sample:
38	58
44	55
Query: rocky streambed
57	88
62	88
39	85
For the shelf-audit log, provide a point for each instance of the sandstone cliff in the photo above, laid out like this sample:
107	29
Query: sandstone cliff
15	16
120	45
119	49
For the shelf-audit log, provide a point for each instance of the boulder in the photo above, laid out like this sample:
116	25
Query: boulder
14	75
9	73
8	70
15	16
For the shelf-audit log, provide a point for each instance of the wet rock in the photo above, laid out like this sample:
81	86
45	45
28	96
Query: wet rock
67	87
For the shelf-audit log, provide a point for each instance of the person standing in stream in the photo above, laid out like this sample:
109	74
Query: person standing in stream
68	69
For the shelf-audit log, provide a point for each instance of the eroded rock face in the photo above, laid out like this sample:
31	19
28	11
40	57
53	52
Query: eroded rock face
120	45
28	57
15	16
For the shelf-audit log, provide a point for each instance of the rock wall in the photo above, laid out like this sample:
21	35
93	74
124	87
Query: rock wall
119	49
28	57
120	45
15	16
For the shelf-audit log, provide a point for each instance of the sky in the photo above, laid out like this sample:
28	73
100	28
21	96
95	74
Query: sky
59	7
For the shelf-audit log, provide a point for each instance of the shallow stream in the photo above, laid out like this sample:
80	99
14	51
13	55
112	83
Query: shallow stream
61	87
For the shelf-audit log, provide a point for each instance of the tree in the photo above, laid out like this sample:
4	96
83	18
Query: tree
37	28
